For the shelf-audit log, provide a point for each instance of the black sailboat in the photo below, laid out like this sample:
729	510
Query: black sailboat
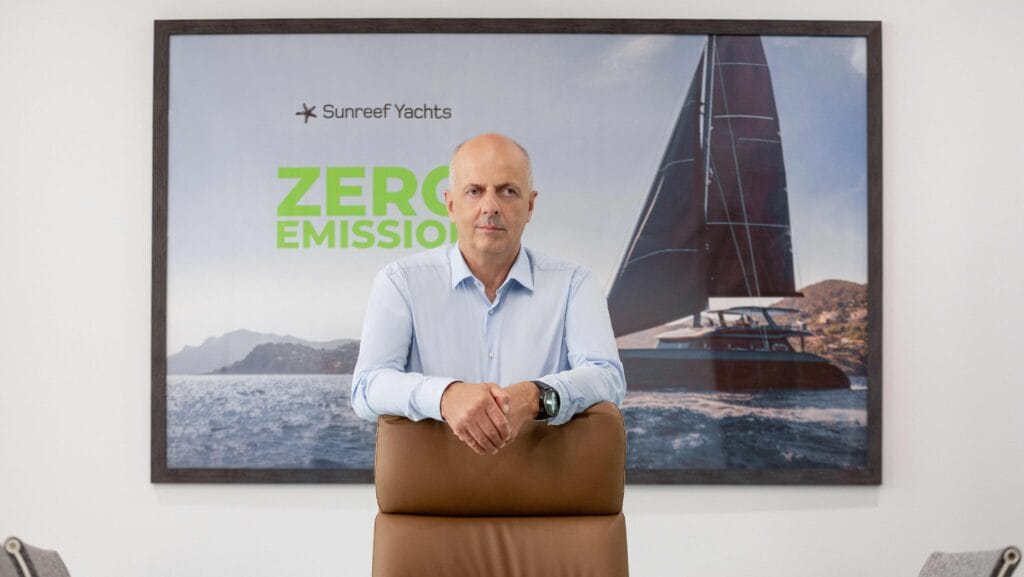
716	224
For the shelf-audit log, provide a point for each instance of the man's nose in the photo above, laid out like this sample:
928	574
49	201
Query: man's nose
490	203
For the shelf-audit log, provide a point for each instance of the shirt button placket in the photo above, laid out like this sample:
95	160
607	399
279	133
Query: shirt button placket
493	327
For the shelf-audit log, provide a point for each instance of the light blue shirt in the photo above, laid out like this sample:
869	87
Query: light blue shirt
429	323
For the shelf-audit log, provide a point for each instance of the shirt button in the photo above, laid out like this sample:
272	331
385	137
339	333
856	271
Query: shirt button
490	311
490	355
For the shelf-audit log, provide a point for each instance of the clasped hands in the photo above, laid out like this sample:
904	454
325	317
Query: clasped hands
487	417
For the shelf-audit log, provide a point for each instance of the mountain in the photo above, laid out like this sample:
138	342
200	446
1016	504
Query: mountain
295	359
222	351
836	313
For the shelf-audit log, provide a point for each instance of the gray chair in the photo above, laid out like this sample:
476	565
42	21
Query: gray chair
994	563
23	560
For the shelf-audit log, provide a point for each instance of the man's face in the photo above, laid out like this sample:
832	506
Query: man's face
489	199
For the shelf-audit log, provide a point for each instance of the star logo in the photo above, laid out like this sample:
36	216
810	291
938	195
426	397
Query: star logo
306	111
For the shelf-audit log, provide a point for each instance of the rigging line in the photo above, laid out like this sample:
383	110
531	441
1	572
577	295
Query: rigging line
675	162
767	140
765	65
711	54
750	116
762	224
732	232
739	182
796	257
643	223
718	182
708	86
657	252
764	330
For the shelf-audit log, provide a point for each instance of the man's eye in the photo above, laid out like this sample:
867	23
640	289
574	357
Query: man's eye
472	192
511	192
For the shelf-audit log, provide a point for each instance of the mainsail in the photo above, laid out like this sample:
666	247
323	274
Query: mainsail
716	220
750	253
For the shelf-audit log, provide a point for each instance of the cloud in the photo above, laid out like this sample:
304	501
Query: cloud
785	41
627	61
859	56
853	50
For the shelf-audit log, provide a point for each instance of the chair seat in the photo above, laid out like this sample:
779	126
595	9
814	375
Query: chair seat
551	546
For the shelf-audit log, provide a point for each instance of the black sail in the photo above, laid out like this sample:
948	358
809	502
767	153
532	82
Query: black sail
750	252
716	220
661	276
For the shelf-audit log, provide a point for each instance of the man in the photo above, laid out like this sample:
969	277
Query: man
486	335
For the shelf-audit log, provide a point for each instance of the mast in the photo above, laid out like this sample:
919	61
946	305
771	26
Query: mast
706	119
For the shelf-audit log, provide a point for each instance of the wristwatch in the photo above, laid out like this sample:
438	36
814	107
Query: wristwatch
549	402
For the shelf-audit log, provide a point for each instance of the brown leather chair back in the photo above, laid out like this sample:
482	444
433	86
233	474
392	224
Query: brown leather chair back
548	505
574	469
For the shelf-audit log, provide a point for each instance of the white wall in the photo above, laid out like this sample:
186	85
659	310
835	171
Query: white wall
75	129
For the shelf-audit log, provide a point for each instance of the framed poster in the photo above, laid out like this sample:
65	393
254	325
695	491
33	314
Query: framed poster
723	178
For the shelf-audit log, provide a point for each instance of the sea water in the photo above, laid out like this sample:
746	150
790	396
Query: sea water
265	422
305	421
676	429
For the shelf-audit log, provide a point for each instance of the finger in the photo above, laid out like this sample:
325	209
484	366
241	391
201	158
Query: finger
473	445
500	422
483	439
501	397
495	426
464	436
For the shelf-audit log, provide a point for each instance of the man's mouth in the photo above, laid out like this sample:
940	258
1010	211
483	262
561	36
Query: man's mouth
489	227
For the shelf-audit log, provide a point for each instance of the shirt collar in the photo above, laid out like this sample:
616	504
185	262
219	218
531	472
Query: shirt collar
521	271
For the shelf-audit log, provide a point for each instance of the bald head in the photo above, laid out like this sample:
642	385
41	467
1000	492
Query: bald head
490	199
493	147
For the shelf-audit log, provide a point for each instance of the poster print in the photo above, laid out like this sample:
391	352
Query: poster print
720	182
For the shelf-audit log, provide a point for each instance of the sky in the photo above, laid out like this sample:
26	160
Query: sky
595	112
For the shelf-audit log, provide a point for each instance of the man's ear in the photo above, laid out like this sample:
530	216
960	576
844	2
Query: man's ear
529	214
448	203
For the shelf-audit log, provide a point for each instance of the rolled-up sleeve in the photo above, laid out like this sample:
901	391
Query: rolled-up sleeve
595	372
380	383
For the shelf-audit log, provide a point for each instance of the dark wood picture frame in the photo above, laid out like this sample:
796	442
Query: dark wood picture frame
869	30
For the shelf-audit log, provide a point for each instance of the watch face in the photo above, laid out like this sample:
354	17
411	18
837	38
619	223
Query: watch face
551	403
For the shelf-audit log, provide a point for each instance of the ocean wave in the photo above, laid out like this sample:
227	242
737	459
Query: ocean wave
744	405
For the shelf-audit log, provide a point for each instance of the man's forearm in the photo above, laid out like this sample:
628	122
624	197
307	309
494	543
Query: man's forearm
380	383
388	391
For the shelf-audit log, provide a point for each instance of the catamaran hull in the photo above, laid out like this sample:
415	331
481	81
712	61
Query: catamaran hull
730	371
